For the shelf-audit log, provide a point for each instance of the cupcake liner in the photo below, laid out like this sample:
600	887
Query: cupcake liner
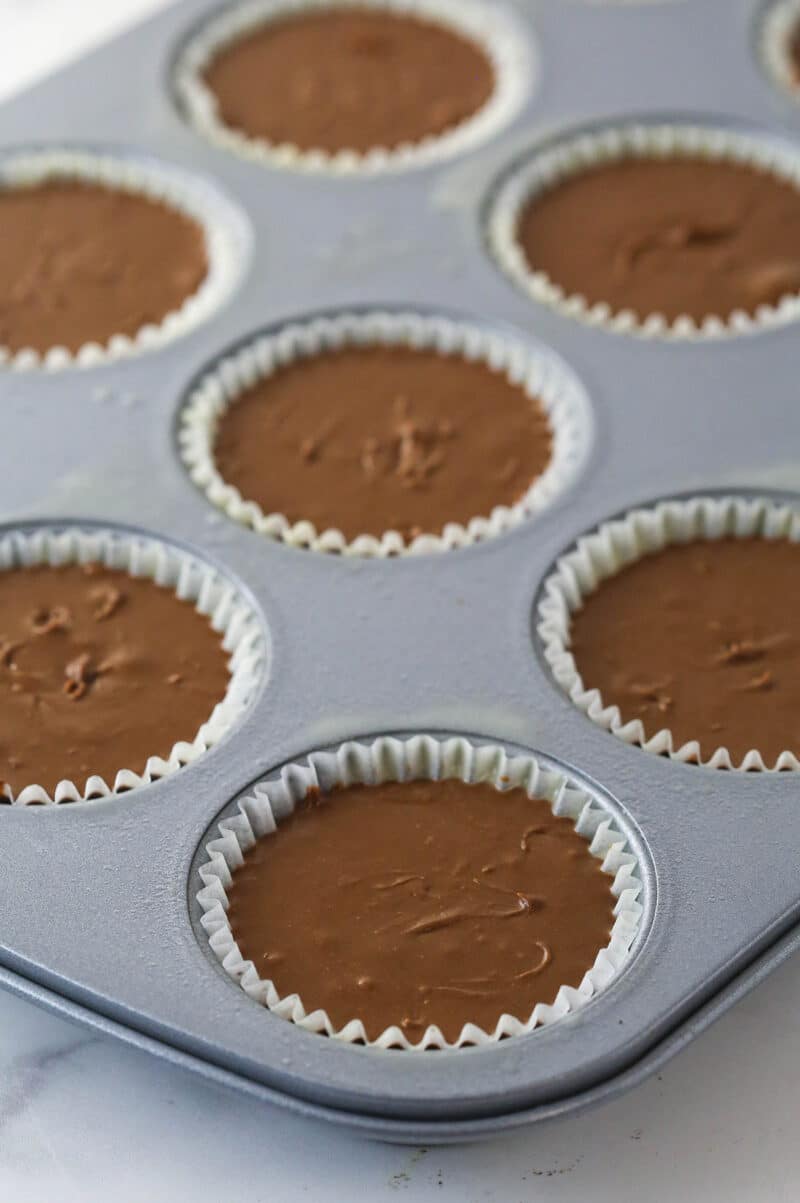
191	580
536	371
782	19
574	155
419	757
497	33
602	554
224	231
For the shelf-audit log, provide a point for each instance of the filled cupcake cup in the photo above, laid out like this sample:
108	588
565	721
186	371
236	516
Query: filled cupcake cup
213	595
223	233
780	25
493	30
603	554
541	376
419	757
572	156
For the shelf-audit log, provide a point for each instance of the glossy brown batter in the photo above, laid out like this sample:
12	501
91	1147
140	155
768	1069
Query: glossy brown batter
676	236
704	639
422	903
374	439
349	79
80	263
98	672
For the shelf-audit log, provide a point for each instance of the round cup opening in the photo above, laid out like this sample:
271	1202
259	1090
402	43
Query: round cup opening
491	29
167	190
522	368
765	296
253	819
91	639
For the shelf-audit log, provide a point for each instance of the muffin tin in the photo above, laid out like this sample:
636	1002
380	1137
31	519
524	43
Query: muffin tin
100	919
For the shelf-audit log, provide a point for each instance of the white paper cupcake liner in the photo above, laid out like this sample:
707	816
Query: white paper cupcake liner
191	580
586	150
419	757
223	228
780	22
540	374
609	549
494	29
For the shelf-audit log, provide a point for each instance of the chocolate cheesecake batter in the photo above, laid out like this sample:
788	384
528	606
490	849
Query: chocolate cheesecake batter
794	52
373	439
676	236
704	639
422	903
98	672
80	263
349	78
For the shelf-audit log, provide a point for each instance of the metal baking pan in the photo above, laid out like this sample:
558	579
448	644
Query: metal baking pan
440	643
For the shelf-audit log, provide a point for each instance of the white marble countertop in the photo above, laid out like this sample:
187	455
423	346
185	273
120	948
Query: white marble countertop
85	1119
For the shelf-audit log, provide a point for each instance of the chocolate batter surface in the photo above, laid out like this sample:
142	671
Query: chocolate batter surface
422	903
794	52
98	672
704	639
349	79
374	439
676	236
80	263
